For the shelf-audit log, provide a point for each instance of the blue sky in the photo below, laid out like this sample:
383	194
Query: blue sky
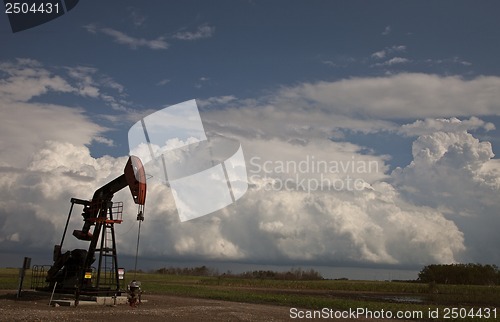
363	80
252	48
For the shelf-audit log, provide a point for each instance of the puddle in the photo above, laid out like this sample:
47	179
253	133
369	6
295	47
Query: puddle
403	299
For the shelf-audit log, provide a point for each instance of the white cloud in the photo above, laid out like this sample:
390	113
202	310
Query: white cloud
416	215
340	61
455	172
27	79
330	63
429	126
438	193
137	17
452	60
203	31
92	28
85	83
111	83
367	105
39	193
379	54
202	80
284	117
397	48
386	31
215	101
103	140
132	42
88	82
404	95
394	61
389	50
124	39
26	124
371	226
163	82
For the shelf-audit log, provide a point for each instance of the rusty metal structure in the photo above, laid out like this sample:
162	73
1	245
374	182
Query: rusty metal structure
74	271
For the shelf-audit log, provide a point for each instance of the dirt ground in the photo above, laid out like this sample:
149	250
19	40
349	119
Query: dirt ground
34	307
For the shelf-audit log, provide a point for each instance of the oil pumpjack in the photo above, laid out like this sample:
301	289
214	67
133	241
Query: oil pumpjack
72	271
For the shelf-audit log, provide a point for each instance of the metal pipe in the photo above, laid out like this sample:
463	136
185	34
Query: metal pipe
53	290
137	249
67	222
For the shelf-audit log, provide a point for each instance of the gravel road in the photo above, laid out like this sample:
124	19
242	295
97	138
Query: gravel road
34	307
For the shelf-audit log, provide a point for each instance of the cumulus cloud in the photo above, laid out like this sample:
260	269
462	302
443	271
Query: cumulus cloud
455	154
373	225
429	126
36	198
295	209
444	148
453	171
368	226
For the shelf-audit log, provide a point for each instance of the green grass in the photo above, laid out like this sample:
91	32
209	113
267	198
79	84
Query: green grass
9	278
342	295
324	293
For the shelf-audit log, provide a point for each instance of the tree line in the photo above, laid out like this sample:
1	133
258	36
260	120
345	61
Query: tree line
293	274
470	274
188	271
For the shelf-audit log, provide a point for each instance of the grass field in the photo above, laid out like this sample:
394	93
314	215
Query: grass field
341	295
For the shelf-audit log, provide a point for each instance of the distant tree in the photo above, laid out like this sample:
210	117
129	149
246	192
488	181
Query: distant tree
294	274
188	271
472	274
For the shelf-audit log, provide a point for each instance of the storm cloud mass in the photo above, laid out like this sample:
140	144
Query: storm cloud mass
440	208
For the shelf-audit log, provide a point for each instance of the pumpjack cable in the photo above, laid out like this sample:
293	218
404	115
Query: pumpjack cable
140	219
137	249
